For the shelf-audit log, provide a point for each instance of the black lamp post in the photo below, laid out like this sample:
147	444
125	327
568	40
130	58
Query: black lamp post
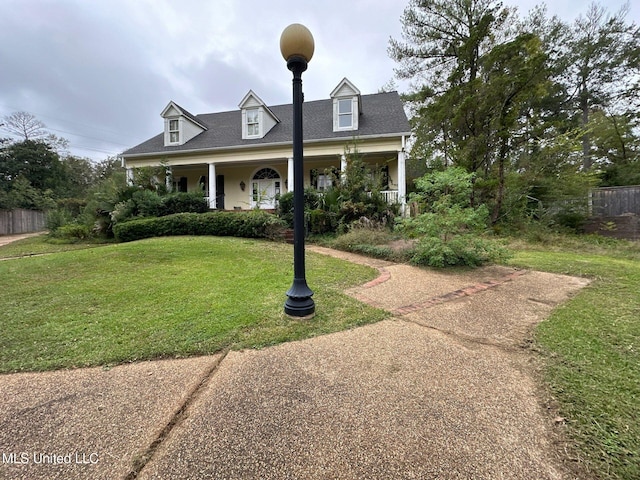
297	46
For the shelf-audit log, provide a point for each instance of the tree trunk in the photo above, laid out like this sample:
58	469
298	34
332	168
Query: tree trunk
500	193
586	140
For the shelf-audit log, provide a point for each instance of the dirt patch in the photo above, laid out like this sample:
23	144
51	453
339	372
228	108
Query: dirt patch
402	245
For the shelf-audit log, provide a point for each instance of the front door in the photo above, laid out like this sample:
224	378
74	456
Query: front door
265	189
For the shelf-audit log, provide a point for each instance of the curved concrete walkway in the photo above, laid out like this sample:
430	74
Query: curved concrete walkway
6	239
441	390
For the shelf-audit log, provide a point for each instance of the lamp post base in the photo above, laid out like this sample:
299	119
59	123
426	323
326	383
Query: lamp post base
300	308
299	302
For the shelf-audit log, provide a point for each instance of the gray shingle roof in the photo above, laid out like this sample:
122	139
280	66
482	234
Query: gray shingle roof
190	115
382	114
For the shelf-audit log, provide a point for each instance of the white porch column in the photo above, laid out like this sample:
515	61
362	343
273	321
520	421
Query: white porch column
343	167
212	185
402	181
290	175
129	176
168	178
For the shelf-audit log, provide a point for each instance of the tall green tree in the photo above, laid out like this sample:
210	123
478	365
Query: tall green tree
515	75
32	167
442	42
33	160
78	177
475	79
602	68
616	145
30	173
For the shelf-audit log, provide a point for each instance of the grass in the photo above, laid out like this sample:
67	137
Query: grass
591	347
168	297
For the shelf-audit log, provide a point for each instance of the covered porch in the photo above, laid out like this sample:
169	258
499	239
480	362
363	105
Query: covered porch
246	185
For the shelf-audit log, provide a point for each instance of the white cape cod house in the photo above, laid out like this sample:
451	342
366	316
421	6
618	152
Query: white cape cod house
242	159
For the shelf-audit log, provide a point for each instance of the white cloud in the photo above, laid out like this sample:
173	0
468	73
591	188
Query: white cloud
106	68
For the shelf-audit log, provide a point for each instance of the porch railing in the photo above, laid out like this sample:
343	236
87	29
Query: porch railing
390	196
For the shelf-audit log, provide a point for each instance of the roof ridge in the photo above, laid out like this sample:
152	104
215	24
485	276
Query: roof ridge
308	102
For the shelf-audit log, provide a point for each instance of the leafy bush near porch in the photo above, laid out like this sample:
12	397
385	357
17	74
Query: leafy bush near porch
145	203
253	224
285	205
184	202
321	221
355	195
449	231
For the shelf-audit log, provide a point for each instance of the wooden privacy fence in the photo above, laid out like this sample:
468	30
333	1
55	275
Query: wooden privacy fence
614	201
615	212
13	222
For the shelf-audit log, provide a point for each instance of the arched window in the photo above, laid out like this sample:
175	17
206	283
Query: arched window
266	174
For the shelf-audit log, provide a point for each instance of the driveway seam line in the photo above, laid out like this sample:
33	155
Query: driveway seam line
461	337
176	419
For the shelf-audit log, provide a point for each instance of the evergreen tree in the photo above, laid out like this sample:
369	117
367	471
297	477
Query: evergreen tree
602	68
475	79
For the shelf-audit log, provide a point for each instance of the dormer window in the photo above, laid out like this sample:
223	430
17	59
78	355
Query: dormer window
257	118
253	122
345	113
180	126
346	106
174	131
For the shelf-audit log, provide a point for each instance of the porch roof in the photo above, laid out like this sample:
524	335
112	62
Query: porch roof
382	115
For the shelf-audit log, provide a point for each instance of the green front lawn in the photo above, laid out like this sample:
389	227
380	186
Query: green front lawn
165	297
591	347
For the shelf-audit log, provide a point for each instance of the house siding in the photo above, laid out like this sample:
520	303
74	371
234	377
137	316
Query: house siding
189	130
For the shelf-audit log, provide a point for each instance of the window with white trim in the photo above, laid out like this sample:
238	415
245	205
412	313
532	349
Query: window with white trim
323	181
253	122
345	113
174	131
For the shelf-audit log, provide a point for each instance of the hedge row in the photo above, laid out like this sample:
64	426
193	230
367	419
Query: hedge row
253	224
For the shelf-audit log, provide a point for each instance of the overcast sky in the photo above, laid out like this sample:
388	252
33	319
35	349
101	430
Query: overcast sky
99	72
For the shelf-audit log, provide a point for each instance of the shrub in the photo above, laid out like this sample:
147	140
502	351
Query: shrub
467	250
449	230
183	202
285	205
322	222
356	194
57	218
72	231
254	224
